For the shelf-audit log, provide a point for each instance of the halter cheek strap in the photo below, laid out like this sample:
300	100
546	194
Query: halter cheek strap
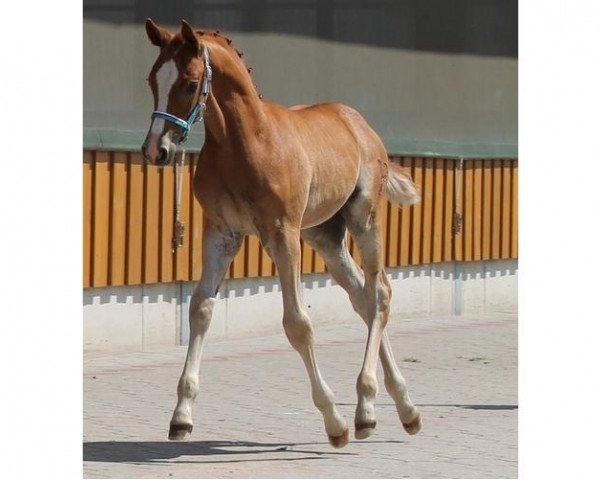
197	112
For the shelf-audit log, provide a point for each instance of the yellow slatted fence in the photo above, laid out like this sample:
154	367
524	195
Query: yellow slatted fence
468	212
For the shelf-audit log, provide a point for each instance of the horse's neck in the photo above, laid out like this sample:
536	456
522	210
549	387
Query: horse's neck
234	108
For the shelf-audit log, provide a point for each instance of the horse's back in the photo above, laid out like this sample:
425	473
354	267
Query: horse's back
340	122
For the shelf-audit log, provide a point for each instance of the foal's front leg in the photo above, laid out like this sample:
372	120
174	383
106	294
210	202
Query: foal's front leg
217	253
284	247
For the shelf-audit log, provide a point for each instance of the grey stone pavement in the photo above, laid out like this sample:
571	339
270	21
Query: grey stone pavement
254	416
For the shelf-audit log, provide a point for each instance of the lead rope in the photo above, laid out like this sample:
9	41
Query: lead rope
197	115
179	226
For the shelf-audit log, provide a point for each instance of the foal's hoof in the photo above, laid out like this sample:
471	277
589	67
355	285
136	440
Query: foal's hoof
180	432
339	441
414	426
364	430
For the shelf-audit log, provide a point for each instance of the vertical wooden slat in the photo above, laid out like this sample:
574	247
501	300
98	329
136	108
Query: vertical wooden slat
246	248
438	211
496	207
101	234
196	229
427	210
167	220
393	236
486	236
237	266
416	218
151	224
118	218
87	217
405	224
514	241
253	256
468	211
506	198
319	263
404	255
477	207
384	223
459	184
307	258
187	239
135	220
448	210
266	264
182	254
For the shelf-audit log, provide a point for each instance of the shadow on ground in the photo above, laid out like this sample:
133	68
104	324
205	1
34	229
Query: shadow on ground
453	405
471	407
152	452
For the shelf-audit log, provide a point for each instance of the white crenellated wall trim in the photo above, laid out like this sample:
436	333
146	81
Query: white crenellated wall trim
148	316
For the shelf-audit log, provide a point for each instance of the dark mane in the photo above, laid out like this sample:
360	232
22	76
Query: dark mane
227	43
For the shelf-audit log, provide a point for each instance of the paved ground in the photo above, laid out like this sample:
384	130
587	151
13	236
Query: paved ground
254	416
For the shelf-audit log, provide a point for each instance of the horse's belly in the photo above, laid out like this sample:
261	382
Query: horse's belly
321	208
331	185
314	220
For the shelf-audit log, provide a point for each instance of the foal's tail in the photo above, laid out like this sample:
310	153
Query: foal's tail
400	188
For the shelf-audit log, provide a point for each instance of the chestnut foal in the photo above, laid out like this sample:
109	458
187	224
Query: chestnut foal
281	174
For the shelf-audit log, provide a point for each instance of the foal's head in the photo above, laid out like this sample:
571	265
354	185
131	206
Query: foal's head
176	81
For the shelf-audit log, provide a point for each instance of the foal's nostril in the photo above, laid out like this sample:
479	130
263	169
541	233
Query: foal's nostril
163	157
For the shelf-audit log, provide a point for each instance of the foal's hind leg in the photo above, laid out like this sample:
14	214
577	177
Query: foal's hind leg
284	247
361	215
217	253
329	239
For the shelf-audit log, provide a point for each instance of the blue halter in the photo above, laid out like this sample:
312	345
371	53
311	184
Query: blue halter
198	111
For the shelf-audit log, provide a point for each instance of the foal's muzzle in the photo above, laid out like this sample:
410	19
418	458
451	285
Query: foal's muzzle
164	155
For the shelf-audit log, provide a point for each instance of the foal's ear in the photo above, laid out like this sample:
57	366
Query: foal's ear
187	32
158	36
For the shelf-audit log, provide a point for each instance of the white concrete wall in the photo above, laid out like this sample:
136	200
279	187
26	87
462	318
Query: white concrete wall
138	318
131	318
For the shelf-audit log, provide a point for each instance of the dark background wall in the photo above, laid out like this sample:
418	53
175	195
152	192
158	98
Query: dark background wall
432	76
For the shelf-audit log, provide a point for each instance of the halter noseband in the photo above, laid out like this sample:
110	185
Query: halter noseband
198	111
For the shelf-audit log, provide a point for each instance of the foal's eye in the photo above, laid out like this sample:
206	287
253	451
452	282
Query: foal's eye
191	87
